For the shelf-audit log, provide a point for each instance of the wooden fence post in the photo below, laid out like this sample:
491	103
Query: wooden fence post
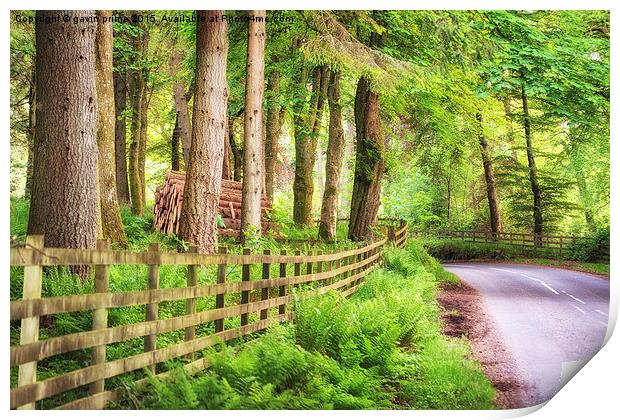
319	267
309	264
391	237
265	290
29	331
100	316
297	266
282	290
150	341
245	295
190	304
219	298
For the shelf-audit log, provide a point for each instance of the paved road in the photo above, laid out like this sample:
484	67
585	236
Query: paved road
546	316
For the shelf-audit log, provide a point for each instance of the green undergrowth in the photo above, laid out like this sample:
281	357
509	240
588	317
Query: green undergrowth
451	250
380	349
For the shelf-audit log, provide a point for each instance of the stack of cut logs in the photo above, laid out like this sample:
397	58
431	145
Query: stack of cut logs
169	197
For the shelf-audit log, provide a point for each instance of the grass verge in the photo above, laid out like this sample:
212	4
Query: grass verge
380	349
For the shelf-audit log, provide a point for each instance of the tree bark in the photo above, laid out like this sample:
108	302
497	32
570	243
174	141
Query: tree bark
333	166
137	88
174	146
253	128
533	172
203	184
226	165
307	126
489	176
180	103
369	163
120	138
32	123
64	190
111	223
273	129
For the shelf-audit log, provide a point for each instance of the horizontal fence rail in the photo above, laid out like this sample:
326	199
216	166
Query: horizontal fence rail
561	244
239	306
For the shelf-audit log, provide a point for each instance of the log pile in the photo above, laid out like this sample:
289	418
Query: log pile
169	198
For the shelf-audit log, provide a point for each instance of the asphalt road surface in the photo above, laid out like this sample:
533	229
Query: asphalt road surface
546	316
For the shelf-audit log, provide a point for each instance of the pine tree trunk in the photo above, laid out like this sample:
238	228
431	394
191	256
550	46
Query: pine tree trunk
111	223
489	176
120	138
306	139
333	166
32	123
253	128
369	163
538	218
226	165
174	143
274	126
64	190
180	102
203	182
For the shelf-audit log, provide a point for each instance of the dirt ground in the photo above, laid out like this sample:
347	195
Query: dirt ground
464	315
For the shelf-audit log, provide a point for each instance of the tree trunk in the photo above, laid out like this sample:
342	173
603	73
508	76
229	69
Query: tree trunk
174	143
64	189
203	182
273	129
489	176
253	128
143	136
307	128
136	152
226	165
236	151
538	219
111	223
32	123
369	163
180	103
333	166
120	138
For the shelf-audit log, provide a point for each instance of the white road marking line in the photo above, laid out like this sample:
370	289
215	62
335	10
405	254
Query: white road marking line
578	308
573	297
600	312
501	269
549	287
541	282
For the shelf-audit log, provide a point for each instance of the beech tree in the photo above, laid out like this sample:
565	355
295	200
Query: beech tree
120	137
333	165
489	177
307	122
203	182
138	96
253	127
64	189
369	163
112	225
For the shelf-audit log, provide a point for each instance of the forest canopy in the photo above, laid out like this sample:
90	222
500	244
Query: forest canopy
482	120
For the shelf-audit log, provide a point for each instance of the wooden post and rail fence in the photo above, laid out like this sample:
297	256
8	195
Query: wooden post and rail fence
562	245
253	305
